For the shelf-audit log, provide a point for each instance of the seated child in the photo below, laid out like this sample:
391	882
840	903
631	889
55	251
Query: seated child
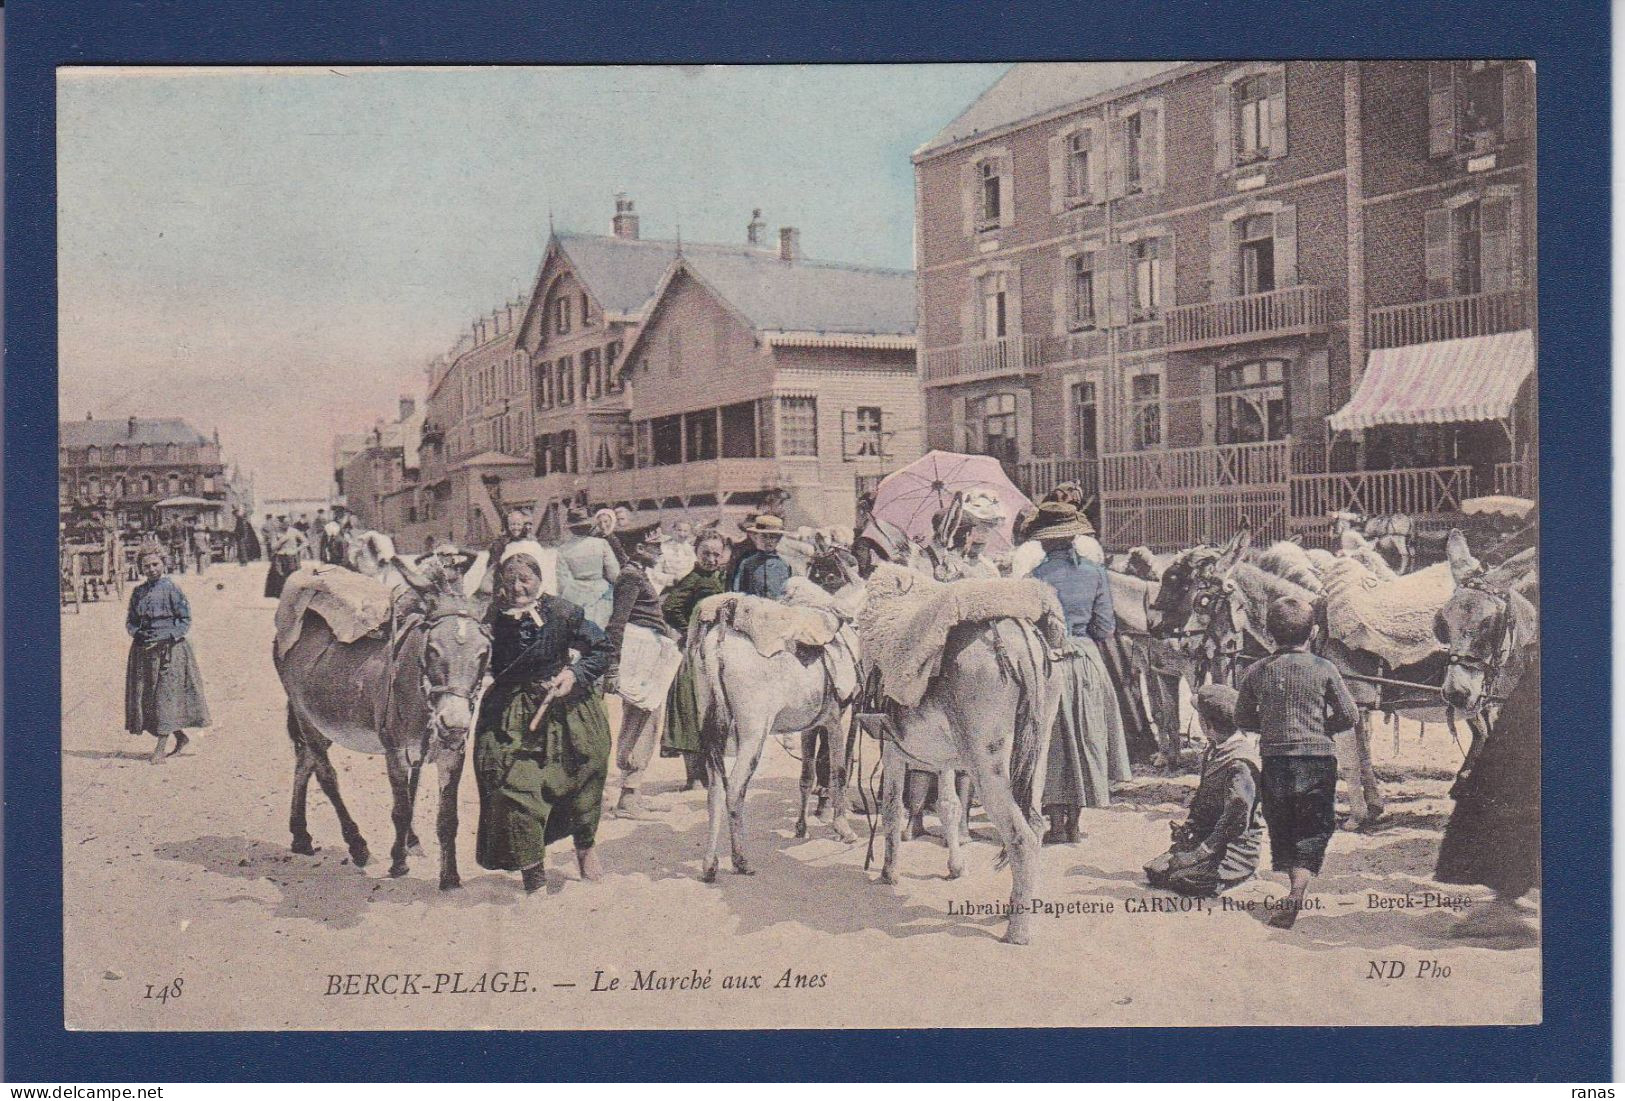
1217	845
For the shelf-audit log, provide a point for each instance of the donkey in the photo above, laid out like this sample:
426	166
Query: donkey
411	697
993	673
744	698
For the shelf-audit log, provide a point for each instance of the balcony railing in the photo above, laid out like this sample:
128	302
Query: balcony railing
1448	319
1196	467
1038	476
1380	492
983	359
1282	312
1516	480
714	477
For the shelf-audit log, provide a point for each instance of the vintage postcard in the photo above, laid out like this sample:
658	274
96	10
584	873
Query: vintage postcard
861	546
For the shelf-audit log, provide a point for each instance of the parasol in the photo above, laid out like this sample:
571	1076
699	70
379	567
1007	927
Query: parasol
910	497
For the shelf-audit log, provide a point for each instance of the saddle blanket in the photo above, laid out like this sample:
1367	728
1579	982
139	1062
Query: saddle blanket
1392	619
907	616
649	661
771	627
353	604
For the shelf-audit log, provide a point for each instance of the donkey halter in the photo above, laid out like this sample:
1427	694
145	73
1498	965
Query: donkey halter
1501	653
434	692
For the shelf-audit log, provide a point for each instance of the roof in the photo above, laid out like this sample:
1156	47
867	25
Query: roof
806	296
623	273
1475	378
490	458
188	502
1035	88
108	432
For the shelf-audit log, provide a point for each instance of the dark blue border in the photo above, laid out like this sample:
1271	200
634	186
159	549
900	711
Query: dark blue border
1570	45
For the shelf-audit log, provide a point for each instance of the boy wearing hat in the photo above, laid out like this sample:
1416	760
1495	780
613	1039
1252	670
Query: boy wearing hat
1296	702
1217	845
646	649
762	571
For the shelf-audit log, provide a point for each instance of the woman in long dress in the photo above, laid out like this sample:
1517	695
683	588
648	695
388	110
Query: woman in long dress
540	776
1088	752
587	568
163	690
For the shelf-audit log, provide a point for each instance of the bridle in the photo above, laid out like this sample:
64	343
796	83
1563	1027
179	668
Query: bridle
1222	637
1501	652
434	693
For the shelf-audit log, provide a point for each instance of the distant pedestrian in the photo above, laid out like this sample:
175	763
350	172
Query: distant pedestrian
163	690
587	568
202	547
1296	702
286	554
242	534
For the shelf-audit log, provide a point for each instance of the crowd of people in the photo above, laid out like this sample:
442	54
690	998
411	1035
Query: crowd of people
607	612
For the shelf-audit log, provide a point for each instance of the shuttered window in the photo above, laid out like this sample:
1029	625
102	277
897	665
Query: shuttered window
1474	246
1145	278
1145	412
1474	106
1251	402
1249	118
1077	165
1085	420
1081	291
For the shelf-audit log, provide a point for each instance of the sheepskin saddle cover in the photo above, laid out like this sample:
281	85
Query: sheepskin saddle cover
353	604
907	616
1390	618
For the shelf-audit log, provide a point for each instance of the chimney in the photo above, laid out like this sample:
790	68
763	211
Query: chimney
408	407
756	230
130	427
789	244
625	223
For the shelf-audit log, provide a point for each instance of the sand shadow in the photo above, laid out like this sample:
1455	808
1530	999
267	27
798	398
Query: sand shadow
326	887
828	893
109	754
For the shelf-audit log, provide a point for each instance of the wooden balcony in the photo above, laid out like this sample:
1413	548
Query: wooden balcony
1196	467
1380	492
1448	319
717	478
1284	312
982	359
1518	479
1038	476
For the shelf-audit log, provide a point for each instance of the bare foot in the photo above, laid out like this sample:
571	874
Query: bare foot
158	750
1284	918
181	742
592	869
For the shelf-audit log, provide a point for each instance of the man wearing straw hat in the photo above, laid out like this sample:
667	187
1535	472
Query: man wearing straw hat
762	571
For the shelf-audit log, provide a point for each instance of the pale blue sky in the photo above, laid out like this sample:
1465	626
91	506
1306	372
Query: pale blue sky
278	252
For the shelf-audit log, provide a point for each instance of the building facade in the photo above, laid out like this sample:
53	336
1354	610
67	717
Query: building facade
755	371
124	468
1170	280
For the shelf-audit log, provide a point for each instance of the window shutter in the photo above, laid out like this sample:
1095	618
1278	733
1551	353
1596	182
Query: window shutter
1024	424
1517	106
1061	297
1152	175
1210	411
1057	174
1099	289
1437	248
1276	83
1494	248
961	436
1320	389
967	196
1286	247
1116	151
1441	108
1117	283
1097	164
1012	302
969	315
1007	191
1221	265
1224	138
1165	254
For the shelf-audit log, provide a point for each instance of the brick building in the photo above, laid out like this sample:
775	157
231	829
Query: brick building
755	369
125	467
377	472
1170	280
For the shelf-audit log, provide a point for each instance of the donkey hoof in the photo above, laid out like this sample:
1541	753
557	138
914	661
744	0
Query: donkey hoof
360	855
396	871
742	866
451	882
888	877
709	874
955	872
303	847
801	830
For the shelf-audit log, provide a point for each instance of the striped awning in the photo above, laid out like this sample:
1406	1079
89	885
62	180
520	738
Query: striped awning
1475	378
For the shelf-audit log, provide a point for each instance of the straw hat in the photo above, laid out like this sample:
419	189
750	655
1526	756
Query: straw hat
766	524
1059	520
577	518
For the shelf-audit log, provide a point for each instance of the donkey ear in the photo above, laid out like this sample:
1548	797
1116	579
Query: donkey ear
1232	551
1462	563
412	575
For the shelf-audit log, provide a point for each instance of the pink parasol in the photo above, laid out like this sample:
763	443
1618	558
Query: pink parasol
912	496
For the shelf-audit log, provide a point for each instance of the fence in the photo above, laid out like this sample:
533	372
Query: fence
1277	312
1171	521
1196	467
1377	492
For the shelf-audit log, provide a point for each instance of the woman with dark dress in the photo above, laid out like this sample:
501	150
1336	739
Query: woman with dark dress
541	743
1493	836
163	690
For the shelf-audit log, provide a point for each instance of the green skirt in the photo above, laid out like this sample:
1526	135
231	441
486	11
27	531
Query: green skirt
538	787
682	714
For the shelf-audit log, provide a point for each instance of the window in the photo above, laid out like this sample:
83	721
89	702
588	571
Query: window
667	435
1252	123
642	445
1467	234
1145	412
866	439
146	485
1085	420
1077	165
586	314
1256	253
700	430
1483	104
739	430
1250	403
1081	291
592	372
1145	269
544	386
603	456
989	195
567	381
993	316
1133	149
93	455
561	314
993	426
798	426
612	360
